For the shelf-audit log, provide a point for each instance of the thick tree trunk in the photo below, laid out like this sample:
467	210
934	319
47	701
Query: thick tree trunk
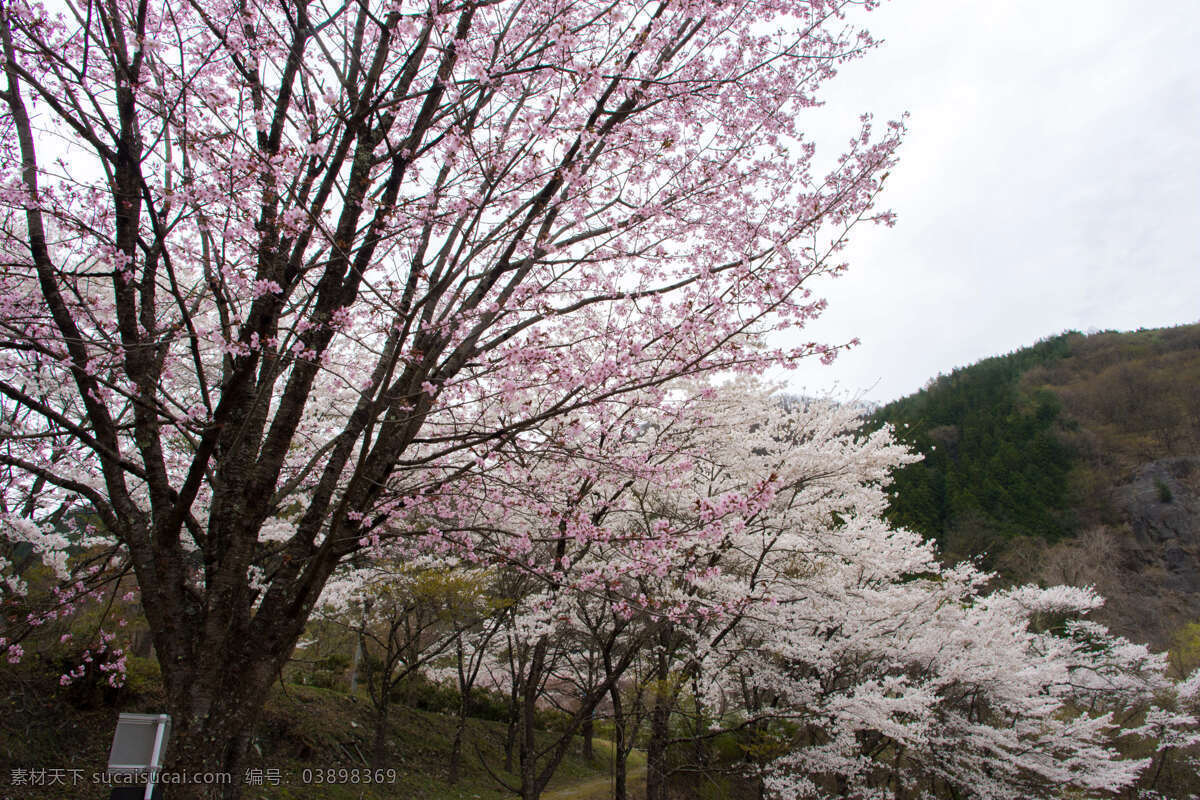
220	648
212	724
587	732
211	758
217	682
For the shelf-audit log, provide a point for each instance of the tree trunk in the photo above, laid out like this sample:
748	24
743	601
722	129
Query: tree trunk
656	749
620	788
700	754
354	666
212	754
530	790
536	768
510	735
516	667
379	750
459	729
211	729
898	792
660	717
620	774
587	731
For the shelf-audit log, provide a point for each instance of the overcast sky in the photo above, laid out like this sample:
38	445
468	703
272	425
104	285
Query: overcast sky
1050	181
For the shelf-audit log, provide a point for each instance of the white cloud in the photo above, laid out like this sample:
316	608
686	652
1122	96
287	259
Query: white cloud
1049	182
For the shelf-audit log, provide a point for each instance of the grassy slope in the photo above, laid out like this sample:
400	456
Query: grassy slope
303	727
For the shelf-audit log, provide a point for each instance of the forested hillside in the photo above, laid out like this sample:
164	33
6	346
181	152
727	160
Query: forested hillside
1072	460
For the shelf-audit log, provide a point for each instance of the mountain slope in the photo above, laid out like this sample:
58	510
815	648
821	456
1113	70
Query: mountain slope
1076	460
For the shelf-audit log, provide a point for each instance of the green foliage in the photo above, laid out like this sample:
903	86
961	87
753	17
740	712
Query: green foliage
143	677
1031	445
1184	656
994	466
443	698
328	672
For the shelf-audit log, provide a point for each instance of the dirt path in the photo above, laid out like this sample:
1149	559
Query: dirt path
600	788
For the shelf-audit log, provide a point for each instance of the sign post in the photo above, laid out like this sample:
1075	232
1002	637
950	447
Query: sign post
139	746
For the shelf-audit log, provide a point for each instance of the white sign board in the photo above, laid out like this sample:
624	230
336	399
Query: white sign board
139	746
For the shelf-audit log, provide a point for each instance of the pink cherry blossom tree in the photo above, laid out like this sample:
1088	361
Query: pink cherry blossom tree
273	272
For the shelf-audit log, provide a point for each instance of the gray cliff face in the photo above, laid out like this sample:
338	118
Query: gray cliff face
1161	498
1146	561
1163	511
1159	571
